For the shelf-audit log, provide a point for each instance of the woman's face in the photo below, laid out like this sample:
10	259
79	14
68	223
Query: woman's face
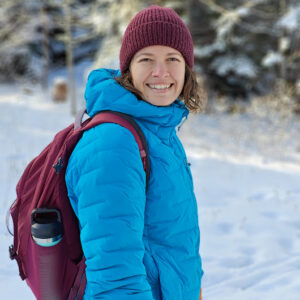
158	73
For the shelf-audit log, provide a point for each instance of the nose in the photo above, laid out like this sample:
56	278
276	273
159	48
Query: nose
160	70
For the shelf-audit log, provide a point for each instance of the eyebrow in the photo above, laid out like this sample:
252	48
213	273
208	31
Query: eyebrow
150	54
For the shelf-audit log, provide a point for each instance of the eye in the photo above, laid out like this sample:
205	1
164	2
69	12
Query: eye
145	59
173	59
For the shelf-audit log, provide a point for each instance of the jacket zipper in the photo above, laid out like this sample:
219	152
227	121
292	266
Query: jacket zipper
186	163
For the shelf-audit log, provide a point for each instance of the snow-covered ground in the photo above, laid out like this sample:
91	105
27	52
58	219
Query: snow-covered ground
247	179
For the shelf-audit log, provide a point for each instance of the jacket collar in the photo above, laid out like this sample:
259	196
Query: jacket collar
104	93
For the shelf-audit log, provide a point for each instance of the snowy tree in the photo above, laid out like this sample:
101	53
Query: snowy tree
237	43
32	36
112	17
289	42
17	38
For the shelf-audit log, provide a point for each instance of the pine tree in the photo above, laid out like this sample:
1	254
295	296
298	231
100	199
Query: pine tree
234	44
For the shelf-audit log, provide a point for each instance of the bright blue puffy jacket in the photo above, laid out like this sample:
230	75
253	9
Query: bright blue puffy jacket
139	244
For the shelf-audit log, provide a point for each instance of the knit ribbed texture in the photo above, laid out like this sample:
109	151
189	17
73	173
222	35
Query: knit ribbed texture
156	25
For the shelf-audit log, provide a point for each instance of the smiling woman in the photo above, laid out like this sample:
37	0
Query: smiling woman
158	73
190	93
140	239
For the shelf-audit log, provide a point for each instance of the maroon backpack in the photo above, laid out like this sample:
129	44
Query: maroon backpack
46	242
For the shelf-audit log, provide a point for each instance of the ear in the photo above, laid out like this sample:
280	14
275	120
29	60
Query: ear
128	73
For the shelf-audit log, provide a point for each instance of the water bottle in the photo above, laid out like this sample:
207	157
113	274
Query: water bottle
46	226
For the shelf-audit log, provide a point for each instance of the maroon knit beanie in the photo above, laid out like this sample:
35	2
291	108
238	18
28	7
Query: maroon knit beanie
156	25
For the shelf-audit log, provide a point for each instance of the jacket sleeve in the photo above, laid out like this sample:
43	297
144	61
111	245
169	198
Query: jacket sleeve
106	186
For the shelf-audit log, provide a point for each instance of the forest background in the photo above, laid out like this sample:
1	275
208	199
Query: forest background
246	51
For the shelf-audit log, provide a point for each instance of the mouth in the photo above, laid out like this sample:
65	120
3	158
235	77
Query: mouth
160	87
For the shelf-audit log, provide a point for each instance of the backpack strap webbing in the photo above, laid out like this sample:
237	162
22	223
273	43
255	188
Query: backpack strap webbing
126	121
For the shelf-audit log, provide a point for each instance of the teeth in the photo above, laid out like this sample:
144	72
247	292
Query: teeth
159	86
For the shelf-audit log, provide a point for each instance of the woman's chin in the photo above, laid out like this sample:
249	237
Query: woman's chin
160	101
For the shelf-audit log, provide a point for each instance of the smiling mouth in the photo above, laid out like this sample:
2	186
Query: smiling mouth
160	86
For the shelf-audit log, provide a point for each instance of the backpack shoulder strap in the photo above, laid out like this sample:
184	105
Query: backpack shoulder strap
123	120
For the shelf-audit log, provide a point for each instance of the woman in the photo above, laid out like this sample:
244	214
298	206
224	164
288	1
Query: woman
140	243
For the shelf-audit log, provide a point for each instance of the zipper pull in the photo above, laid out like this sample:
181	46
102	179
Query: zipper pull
181	123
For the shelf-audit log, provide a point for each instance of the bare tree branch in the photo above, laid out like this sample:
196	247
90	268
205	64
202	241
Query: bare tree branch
229	18
226	15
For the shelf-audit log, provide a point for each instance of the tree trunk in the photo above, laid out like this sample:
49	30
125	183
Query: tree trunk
69	56
282	11
45	47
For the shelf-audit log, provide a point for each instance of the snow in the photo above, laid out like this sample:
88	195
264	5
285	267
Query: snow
246	172
239	64
291	20
247	185
206	51
272	58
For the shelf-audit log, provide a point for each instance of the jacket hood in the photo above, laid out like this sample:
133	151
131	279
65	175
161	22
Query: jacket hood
104	93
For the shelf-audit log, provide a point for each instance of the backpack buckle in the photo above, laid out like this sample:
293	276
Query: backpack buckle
58	166
12	253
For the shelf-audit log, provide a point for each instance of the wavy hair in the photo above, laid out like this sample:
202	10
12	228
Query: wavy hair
191	93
